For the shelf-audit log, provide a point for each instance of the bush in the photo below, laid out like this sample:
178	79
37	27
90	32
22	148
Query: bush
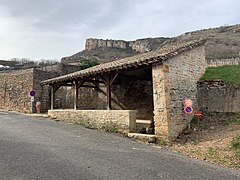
86	63
236	142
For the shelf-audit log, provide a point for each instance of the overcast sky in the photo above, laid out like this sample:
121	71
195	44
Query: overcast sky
52	29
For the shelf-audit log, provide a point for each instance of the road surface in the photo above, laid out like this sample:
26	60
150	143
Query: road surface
40	148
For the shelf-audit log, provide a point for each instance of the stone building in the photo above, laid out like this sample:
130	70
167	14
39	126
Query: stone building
150	87
15	86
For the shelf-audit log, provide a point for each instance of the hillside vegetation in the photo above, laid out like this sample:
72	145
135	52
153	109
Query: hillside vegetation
100	54
222	42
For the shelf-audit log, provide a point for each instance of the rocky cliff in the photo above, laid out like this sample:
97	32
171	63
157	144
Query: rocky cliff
140	45
110	50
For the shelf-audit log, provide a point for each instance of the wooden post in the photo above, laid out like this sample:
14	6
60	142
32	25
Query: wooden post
75	94
52	97
77	85
54	88
108	80
109	93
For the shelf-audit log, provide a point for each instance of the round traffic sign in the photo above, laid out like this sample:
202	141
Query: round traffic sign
188	110
187	102
32	93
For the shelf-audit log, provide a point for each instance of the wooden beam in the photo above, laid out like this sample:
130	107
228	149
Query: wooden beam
93	81
114	77
89	86
55	87
66	85
108	81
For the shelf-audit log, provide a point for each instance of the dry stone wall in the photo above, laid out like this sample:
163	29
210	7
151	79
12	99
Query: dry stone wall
120	120
135	95
14	89
215	96
16	85
42	92
223	62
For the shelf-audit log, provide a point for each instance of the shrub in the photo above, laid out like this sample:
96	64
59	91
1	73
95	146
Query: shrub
86	63
236	142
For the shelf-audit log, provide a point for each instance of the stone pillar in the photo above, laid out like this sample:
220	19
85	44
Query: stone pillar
160	100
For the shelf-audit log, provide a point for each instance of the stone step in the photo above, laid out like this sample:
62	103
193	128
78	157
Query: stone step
143	125
150	138
143	121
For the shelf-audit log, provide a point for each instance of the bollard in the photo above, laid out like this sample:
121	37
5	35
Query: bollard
38	106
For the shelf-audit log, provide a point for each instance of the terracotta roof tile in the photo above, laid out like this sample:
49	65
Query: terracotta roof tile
159	55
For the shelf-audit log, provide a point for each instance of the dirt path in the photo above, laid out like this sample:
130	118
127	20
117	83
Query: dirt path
210	140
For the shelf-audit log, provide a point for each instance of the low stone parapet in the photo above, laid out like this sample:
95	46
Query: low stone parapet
123	121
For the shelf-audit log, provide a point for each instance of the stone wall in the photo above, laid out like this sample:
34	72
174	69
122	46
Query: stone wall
134	95
174	81
43	92
223	62
215	96
120	120
14	89
16	85
61	68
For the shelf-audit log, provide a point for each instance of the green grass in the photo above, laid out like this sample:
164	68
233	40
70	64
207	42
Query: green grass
229	74
235	143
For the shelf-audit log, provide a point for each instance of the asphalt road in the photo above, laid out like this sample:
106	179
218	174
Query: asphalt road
40	148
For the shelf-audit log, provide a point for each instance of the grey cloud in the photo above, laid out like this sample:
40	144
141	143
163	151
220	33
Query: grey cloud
64	24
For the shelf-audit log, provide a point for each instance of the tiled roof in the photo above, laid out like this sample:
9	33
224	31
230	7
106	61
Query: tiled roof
159	55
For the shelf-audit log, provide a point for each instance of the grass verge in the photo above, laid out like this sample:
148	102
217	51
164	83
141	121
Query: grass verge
229	74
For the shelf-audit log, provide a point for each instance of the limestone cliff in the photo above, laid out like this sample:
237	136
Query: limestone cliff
110	50
140	45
